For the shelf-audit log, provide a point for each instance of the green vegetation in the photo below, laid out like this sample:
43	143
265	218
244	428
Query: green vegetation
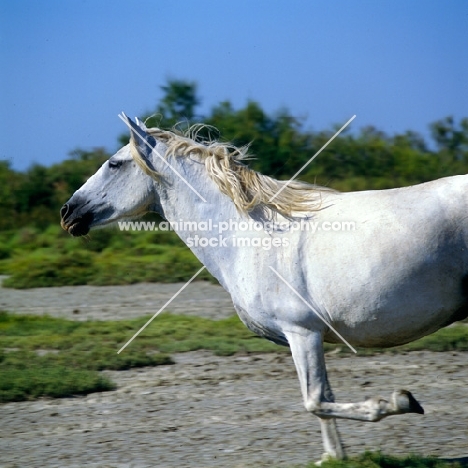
454	338
45	356
27	376
380	460
41	258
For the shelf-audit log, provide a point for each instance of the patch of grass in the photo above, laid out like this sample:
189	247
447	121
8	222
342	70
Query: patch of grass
36	351
46	356
27	376
454	338
179	333
380	460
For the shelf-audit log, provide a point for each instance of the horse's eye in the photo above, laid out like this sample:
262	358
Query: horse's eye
113	164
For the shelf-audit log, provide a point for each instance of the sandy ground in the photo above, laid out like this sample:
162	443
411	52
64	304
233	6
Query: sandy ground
209	411
118	302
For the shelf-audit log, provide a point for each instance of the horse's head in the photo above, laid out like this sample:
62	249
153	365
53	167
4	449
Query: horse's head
118	190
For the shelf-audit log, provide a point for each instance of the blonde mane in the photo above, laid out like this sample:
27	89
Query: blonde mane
247	188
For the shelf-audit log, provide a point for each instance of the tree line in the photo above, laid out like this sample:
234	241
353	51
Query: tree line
279	145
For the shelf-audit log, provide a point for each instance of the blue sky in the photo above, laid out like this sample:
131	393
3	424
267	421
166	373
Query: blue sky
69	67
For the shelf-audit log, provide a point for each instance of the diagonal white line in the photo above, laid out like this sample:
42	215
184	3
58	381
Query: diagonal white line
312	309
312	158
155	151
161	309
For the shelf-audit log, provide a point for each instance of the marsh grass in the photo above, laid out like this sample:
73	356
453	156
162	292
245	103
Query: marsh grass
46	356
380	460
26	376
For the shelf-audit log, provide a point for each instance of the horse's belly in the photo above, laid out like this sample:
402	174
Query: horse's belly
387	328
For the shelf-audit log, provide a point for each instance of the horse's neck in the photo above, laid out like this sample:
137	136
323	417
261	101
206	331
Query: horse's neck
181	205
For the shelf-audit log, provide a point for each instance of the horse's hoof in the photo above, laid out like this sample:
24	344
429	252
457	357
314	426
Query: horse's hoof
405	402
325	457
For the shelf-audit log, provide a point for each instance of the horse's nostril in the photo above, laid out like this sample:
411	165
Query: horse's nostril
64	210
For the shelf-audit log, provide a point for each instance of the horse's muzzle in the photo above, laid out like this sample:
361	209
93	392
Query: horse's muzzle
74	220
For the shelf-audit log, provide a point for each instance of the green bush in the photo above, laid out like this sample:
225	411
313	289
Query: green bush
380	460
34	258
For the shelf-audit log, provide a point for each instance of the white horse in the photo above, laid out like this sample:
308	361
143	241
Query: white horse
400	274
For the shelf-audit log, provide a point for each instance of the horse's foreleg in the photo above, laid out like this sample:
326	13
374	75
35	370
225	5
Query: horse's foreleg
307	352
308	357
331	439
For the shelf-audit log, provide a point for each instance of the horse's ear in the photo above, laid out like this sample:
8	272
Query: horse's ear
139	137
143	143
141	124
137	129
